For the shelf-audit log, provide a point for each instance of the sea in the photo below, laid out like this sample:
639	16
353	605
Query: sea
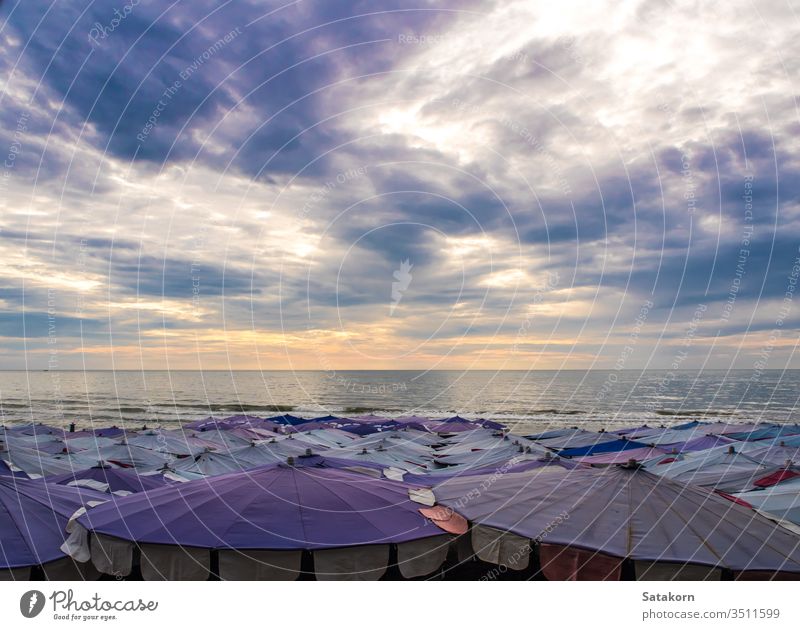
524	400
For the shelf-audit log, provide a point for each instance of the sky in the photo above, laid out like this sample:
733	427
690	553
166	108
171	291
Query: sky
399	185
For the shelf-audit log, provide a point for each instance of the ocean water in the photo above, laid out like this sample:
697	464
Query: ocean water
524	400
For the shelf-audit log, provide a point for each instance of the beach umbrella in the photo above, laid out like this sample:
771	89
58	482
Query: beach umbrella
262	520
287	419
45	443
357	428
129	456
612	446
586	521
9	470
431	478
554	433
419	423
702	443
168	442
642	454
778	476
209	423
33	520
35	429
313	425
325	437
210	464
39	464
220	440
577	439
89	442
724	470
454	426
104	478
772	454
781	501
410	462
113	432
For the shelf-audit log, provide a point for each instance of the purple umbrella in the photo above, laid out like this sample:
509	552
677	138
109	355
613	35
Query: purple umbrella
287	419
5	471
701	443
273	507
33	516
623	513
108	479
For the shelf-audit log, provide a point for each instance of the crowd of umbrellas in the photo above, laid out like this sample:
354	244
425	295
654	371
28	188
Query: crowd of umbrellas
330	498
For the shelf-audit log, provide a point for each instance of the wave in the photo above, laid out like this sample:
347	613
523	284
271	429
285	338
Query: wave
670	412
370	410
241	407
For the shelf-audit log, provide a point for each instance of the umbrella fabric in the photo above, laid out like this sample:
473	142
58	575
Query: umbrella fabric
555	433
767	432
360	429
33	516
287	419
114	479
621	457
775	454
74	445
414	422
41	464
211	464
208	424
781	501
325	438
778	476
676	436
50	444
613	446
36	429
6	471
578	439
220	440
627	513
274	507
167	442
130	456
702	443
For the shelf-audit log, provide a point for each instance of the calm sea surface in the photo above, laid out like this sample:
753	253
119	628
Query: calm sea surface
526	399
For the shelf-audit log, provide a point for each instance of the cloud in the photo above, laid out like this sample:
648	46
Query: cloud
254	173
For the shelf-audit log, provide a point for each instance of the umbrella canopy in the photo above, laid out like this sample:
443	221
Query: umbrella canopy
729	472
221	440
130	456
766	432
169	443
33	516
781	501
42	465
287	419
108	479
702	443
612	446
771	454
211	464
273	507
45	443
578	439
74	445
626	513
621	457
8	470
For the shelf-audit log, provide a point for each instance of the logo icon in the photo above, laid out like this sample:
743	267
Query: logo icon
31	604
403	277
